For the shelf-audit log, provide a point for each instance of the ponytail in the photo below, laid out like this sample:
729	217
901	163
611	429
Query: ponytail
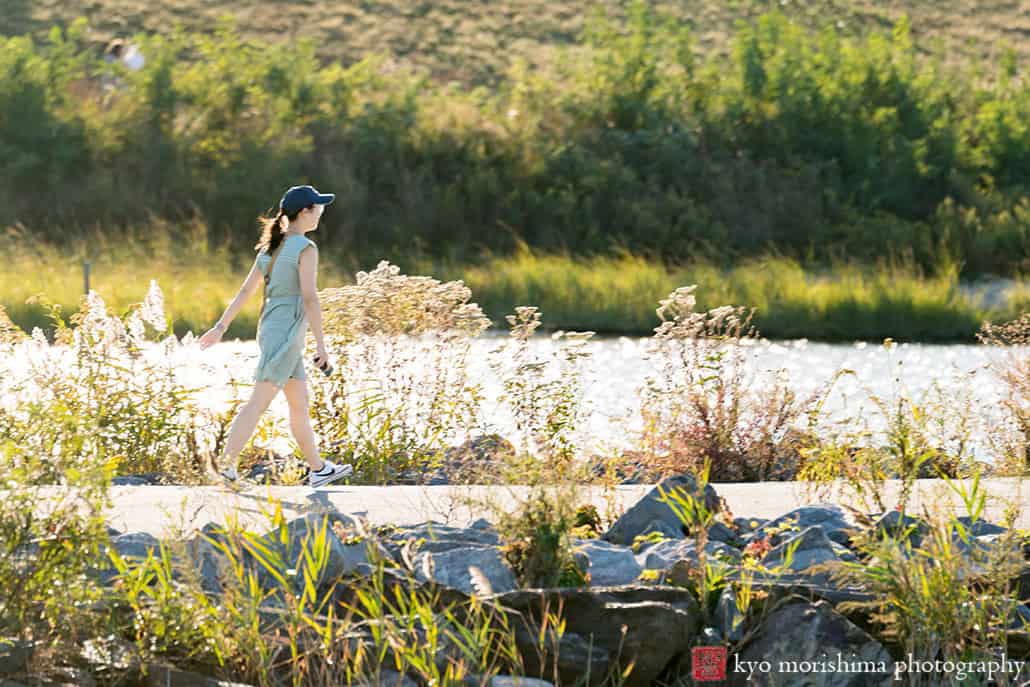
271	231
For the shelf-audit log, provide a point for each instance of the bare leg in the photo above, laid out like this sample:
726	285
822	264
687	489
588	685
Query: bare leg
246	421
296	391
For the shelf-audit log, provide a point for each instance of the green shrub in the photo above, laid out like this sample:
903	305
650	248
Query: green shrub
389	409
94	390
816	144
950	596
52	539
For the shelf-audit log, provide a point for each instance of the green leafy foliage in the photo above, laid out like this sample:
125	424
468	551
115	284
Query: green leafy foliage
819	144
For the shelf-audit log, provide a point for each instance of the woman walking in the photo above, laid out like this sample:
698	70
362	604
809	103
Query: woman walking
288	264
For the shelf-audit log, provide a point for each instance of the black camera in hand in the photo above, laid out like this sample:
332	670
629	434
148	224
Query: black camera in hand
325	367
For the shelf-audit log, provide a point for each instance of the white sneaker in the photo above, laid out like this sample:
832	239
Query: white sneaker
330	473
230	476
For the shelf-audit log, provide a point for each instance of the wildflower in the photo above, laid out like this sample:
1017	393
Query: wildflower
153	308
758	548
39	337
136	327
9	332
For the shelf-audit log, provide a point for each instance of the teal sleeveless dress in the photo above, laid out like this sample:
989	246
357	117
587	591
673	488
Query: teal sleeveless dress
283	324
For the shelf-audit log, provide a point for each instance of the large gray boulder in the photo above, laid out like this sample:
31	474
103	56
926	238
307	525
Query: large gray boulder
729	619
434	546
134	548
896	524
788	584
834	521
194	559
465	568
478	532
661	624
720	532
343	559
135	545
665	554
813	548
799	632
565	660
1020	618
608	564
208	562
980	527
14	655
745	525
987	551
436	537
669	530
650	513
512	681
168	676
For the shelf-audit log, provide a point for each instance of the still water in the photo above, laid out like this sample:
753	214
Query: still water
955	380
963	375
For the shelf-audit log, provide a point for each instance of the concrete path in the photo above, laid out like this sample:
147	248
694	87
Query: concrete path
164	511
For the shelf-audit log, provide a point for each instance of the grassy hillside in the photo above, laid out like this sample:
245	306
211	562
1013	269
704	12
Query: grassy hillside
475	41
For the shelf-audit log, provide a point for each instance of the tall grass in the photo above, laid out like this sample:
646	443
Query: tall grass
47	553
703	404
606	294
949	596
404	342
197	279
1012	439
280	619
844	302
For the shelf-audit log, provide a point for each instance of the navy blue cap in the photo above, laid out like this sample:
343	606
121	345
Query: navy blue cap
297	198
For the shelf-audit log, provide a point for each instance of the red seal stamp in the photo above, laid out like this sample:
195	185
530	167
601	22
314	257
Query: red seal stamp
709	663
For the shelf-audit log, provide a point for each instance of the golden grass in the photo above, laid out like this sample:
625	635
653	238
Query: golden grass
198	282
609	294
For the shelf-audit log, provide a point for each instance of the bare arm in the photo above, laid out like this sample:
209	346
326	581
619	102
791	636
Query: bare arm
308	266
250	284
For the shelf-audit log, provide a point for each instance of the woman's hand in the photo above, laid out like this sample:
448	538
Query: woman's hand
321	358
211	336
